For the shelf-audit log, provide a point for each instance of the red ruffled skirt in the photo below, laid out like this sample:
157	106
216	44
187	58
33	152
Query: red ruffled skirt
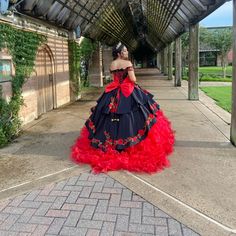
149	155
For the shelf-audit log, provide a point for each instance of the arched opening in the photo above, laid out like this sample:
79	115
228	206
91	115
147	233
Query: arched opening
44	66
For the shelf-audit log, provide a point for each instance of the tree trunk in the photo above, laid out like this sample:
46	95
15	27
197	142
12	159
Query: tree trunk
223	60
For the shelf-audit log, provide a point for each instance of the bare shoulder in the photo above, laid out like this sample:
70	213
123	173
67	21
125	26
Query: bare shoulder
113	65
128	63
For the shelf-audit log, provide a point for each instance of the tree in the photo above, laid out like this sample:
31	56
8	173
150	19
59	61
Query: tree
222	40
203	38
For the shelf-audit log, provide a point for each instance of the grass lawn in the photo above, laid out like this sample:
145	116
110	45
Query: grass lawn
212	73
222	96
215	70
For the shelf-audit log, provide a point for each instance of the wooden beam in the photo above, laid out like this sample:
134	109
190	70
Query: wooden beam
193	62
159	61
165	68
162	61
170	62
178	62
233	114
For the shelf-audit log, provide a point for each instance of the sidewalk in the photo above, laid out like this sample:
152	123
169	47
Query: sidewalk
198	191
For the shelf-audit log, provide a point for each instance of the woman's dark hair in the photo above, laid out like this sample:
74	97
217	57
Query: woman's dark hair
117	49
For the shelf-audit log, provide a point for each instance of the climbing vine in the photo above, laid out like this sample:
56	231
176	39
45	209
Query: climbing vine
22	46
79	56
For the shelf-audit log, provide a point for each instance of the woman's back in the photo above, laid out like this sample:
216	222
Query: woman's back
120	64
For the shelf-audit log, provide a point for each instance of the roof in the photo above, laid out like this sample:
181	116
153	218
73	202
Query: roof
149	23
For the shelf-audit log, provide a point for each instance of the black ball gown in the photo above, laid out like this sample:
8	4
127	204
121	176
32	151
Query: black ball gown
126	130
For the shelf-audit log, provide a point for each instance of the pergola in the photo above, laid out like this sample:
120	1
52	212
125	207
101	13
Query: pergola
143	25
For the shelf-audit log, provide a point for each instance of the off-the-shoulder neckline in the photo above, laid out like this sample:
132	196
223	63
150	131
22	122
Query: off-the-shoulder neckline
120	69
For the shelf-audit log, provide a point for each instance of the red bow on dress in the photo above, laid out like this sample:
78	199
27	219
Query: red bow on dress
126	87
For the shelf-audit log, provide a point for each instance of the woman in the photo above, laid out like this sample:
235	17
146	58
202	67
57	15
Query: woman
126	129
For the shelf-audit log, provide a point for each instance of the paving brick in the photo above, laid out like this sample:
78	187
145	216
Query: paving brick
73	207
3	216
56	226
30	204
90	224
174	227
104	217
32	195
87	201
23	227
154	221
40	230
161	231
96	178
59	193
122	223
88	212
93	232
84	176
6	225
126	195
74	188
73	196
72	180
98	187
60	185
119	210
131	204
109	182
14	210
118	185
85	192
24	234
17	201
7	233
107	229
112	190
26	216
100	195
142	228
57	213
115	200
85	183
148	209
73	218
125	234
58	203
43	209
45	198
136	216
102	206
41	220
72	231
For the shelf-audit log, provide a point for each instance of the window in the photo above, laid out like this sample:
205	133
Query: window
5	70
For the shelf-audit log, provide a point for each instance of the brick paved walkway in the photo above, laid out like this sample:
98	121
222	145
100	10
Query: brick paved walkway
86	205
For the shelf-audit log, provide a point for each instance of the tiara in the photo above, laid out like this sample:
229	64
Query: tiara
118	45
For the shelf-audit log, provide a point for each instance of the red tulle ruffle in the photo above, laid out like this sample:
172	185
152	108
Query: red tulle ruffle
150	155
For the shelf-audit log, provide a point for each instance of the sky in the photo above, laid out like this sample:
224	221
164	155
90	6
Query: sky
223	16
